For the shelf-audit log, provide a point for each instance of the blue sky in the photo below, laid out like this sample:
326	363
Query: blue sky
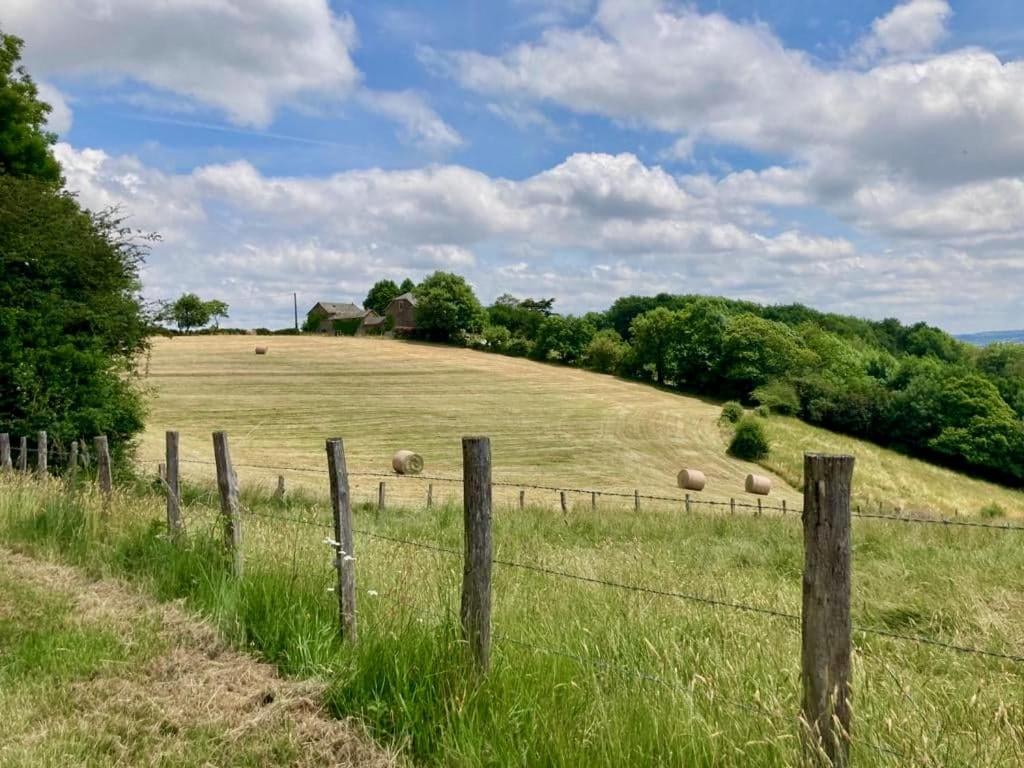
861	157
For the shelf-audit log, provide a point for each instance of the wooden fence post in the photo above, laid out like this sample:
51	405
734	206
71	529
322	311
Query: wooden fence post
732	506
103	476
227	484
593	501
281	491
687	503
522	499
826	626
430	495
783	506
476	573
345	559
23	454
5	451
561	498
73	462
380	497
636	500
41	452
172	484
759	506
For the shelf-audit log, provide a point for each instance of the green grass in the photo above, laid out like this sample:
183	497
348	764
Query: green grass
726	687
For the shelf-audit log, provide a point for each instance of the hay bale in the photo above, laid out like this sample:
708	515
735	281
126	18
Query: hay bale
407	463
261	350
691	480
758	484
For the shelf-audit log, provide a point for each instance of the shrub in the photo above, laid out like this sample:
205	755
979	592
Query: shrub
519	347
993	510
751	440
763	411
497	337
779	396
732	412
605	351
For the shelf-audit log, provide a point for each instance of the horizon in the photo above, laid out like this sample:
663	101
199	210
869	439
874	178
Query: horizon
580	149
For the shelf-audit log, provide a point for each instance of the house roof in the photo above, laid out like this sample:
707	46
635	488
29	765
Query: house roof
408	296
336	311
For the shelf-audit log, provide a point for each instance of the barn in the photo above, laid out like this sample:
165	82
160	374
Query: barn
341	319
402	311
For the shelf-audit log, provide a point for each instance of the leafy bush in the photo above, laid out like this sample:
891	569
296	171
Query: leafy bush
605	352
519	347
347	327
751	440
497	337
732	412
993	510
779	397
763	411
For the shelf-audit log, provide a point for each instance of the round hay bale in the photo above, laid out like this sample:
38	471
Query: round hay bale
691	480
261	350
407	463
758	484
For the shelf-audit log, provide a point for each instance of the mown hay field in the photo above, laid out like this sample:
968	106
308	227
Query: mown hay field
549	425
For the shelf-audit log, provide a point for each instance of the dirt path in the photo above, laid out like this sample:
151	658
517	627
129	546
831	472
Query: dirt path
164	689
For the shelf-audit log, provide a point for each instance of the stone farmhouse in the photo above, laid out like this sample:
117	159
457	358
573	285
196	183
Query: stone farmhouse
346	319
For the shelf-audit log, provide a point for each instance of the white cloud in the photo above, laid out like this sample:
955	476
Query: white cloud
420	124
246	59
909	29
59	119
587	230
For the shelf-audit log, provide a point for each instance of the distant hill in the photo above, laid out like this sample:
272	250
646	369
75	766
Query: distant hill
985	338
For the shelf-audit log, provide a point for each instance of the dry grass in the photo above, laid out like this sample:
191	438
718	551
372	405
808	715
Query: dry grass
549	425
172	694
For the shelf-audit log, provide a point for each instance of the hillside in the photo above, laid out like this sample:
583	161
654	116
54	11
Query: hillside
984	338
550	425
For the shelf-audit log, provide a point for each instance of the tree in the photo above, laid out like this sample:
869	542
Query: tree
72	324
563	338
447	308
756	351
652	334
24	141
407	286
543	306
380	295
605	352
216	309
188	311
695	352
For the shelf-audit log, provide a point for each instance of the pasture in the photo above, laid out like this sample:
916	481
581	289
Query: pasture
549	425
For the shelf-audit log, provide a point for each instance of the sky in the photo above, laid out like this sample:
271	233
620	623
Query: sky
860	156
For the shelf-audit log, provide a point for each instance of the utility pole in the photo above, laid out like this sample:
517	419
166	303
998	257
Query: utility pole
295	304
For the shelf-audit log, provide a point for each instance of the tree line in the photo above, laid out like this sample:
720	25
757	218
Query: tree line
911	387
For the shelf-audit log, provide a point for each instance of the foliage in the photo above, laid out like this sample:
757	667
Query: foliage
311	324
447	307
24	141
755	351
695	358
732	412
779	397
563	338
407	286
347	326
652	334
992	510
380	295
71	321
189	312
750	441
605	352
497	337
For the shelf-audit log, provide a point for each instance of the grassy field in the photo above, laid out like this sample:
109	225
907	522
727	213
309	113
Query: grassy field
549	425
585	674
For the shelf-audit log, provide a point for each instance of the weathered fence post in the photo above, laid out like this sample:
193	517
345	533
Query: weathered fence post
561	498
5	451
593	501
636	500
759	506
103	476
687	503
41	451
522	499
23	454
161	472
783	506
826	625
73	462
476	574
732	506
281	491
380	497
172	484
430	495
345	559
227	484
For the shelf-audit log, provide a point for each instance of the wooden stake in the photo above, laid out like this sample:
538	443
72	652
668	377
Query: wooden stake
172	484
227	484
687	504
281	491
430	495
783	506
380	497
161	472
522	499
476	574
636	500
103	476
5	451
345	558
732	506
759	506
826	626
41	452
593	501
561	495
23	454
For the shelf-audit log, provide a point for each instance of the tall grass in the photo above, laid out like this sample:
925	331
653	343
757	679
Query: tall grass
585	674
